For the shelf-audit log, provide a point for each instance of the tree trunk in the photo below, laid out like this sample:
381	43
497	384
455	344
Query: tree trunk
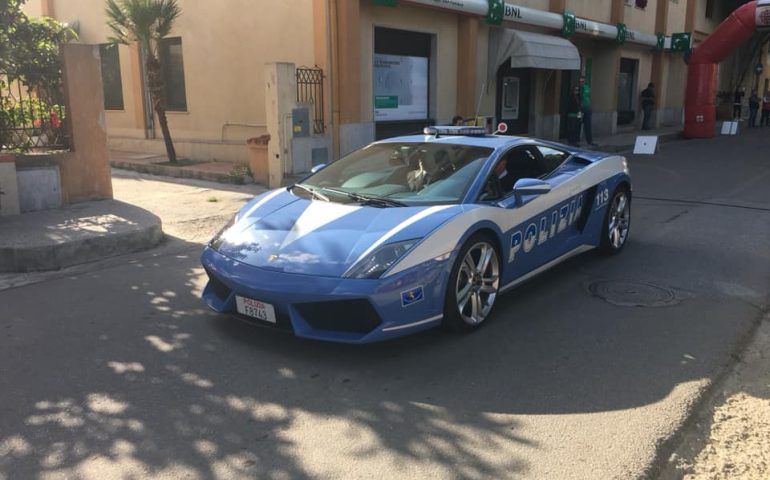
155	84
170	151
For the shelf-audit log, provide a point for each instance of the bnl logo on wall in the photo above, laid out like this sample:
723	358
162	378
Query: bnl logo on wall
763	15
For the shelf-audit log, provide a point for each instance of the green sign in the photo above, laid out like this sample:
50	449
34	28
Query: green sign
621	38
680	42
386	101
495	12
568	27
386	3
661	41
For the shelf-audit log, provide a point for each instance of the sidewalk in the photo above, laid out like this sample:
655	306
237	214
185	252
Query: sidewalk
223	172
625	141
230	172
80	233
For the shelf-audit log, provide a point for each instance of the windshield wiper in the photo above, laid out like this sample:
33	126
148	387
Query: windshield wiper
313	193
368	199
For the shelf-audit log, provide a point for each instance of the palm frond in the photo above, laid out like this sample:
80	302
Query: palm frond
168	12
142	21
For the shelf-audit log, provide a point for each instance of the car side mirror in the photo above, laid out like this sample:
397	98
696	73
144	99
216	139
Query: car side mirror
316	168
529	186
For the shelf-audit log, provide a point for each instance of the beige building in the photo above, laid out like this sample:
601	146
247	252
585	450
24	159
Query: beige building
389	67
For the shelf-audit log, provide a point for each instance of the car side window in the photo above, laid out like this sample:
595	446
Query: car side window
515	164
551	158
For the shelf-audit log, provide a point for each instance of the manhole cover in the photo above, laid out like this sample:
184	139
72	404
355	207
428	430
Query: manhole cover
634	294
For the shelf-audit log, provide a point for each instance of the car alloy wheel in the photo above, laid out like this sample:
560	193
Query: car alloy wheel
475	283
618	221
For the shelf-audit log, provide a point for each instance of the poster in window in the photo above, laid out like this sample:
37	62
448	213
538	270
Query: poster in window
400	88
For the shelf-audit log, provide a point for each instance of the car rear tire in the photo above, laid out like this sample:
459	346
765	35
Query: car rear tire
474	284
617	221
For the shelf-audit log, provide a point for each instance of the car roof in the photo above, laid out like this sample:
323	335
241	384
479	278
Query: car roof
495	142
488	141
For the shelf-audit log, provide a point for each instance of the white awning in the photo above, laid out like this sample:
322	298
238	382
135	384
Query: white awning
529	50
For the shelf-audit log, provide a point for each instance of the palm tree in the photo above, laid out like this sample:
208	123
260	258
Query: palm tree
146	22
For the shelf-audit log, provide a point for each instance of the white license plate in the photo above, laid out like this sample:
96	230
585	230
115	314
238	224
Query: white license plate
255	308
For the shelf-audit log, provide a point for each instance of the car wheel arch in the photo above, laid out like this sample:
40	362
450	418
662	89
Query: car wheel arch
493	231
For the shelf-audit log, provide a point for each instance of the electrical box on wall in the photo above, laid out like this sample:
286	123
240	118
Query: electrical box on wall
300	122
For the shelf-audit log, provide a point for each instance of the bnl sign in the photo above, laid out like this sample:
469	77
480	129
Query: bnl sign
763	15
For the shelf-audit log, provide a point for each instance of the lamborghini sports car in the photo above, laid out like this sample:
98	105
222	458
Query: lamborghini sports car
413	232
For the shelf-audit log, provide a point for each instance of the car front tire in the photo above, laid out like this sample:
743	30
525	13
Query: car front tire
474	284
617	221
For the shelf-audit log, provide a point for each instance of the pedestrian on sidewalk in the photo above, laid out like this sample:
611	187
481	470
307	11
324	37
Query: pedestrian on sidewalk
765	120
754	101
573	117
648	102
585	109
737	103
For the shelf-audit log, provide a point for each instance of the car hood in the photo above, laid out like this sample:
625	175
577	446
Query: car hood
279	231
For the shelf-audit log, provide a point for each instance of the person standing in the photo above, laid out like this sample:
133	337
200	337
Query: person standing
573	117
737	103
753	108
765	120
585	109
648	102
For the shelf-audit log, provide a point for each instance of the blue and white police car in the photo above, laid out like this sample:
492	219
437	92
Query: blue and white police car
413	232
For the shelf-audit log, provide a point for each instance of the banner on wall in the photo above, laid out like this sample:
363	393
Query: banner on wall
400	88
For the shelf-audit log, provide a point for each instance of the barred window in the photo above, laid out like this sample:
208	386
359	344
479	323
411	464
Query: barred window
172	70
111	82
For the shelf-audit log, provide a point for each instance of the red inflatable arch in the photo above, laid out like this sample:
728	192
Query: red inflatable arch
699	107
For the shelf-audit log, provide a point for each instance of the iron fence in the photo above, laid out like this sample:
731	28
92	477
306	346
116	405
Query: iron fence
32	115
310	90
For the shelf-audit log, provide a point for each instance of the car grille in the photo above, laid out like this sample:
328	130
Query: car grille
220	289
282	321
355	316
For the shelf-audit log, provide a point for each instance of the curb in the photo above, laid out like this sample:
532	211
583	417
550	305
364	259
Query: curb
180	172
56	257
35	255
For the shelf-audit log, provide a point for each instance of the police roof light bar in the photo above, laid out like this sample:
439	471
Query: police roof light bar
455	130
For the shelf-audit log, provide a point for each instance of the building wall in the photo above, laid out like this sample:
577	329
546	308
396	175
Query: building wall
443	76
642	20
224	71
598	10
705	25
677	15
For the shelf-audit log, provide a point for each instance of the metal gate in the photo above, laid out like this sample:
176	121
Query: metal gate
310	91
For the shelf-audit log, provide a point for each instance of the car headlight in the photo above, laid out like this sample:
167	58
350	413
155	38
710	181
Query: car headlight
381	259
216	242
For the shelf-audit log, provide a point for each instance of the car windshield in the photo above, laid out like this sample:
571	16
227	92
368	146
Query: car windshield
397	174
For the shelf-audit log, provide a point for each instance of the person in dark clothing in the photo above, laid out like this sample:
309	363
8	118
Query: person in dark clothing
737	103
457	121
573	117
504	177
765	120
648	102
754	101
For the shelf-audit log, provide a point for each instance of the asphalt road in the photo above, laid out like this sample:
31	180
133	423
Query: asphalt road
118	371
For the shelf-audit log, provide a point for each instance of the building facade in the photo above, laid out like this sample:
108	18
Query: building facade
390	67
